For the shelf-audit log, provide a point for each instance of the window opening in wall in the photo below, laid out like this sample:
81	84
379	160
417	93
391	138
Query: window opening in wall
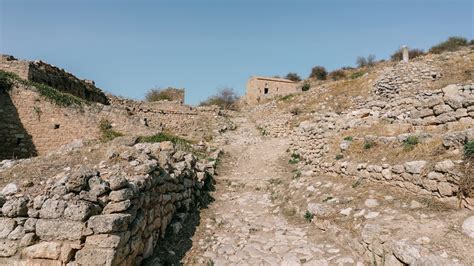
265	91
56	126
18	141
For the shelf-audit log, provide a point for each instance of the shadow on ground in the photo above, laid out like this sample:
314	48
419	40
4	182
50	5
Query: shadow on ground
173	247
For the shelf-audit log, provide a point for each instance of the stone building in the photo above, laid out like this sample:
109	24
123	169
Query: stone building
259	88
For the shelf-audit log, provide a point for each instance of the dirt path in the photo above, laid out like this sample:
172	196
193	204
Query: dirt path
242	226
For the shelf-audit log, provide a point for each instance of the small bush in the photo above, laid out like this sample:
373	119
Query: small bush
469	149
308	216
337	74
451	44
306	86
471	42
293	77
318	72
295	110
295	158
287	97
412	53
339	156
5	80
262	131
107	133
225	98
368	144
168	94
366	61
349	138
356	75
410	143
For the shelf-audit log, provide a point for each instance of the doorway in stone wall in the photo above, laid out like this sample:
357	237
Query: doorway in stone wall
265	91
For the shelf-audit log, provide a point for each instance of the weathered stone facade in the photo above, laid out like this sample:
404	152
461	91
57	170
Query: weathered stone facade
259	88
41	72
112	214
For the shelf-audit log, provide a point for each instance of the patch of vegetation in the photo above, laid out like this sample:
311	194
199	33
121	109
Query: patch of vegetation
339	156
451	44
410	143
357	183
225	98
107	133
469	149
293	77
357	74
162	136
275	181
168	94
287	97
308	216
295	158
412	53
348	138
366	61
53	95
368	144
297	174
318	72
337	74
306	86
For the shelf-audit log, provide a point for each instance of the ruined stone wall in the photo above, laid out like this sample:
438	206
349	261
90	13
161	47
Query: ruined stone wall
55	77
112	214
14	138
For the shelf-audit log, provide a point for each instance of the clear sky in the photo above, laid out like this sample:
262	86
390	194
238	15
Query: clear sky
128	47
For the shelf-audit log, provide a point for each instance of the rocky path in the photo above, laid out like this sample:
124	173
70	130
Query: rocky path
242	226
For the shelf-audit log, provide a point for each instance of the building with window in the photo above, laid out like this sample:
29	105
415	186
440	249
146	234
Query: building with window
259	88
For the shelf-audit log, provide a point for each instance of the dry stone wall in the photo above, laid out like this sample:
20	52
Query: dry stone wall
112	214
55	77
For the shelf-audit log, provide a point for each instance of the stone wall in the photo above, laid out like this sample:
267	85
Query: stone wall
14	138
112	214
55	77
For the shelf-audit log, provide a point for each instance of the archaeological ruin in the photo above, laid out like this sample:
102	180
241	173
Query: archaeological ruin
259	88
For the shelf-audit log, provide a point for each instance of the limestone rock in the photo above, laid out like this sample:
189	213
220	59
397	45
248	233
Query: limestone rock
444	166
108	223
6	226
468	227
58	229
320	210
15	207
415	167
79	179
10	189
52	209
43	250
8	248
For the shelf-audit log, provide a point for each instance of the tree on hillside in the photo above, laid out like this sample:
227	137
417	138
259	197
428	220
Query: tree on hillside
293	76
318	72
366	61
225	98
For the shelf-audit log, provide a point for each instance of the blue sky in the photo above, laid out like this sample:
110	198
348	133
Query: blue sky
128	47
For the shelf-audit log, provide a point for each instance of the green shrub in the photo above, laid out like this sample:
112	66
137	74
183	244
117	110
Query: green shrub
410	143
349	138
337	74
168	94
295	110
5	80
262	131
225	98
328	198
295	158
287	97
293	76
368	144
469	149
306	86
356	75
318	72
308	216
451	44
107	133
412	53
339	156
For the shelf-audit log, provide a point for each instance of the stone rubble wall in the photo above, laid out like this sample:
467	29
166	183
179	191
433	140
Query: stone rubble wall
114	214
446	108
55	77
